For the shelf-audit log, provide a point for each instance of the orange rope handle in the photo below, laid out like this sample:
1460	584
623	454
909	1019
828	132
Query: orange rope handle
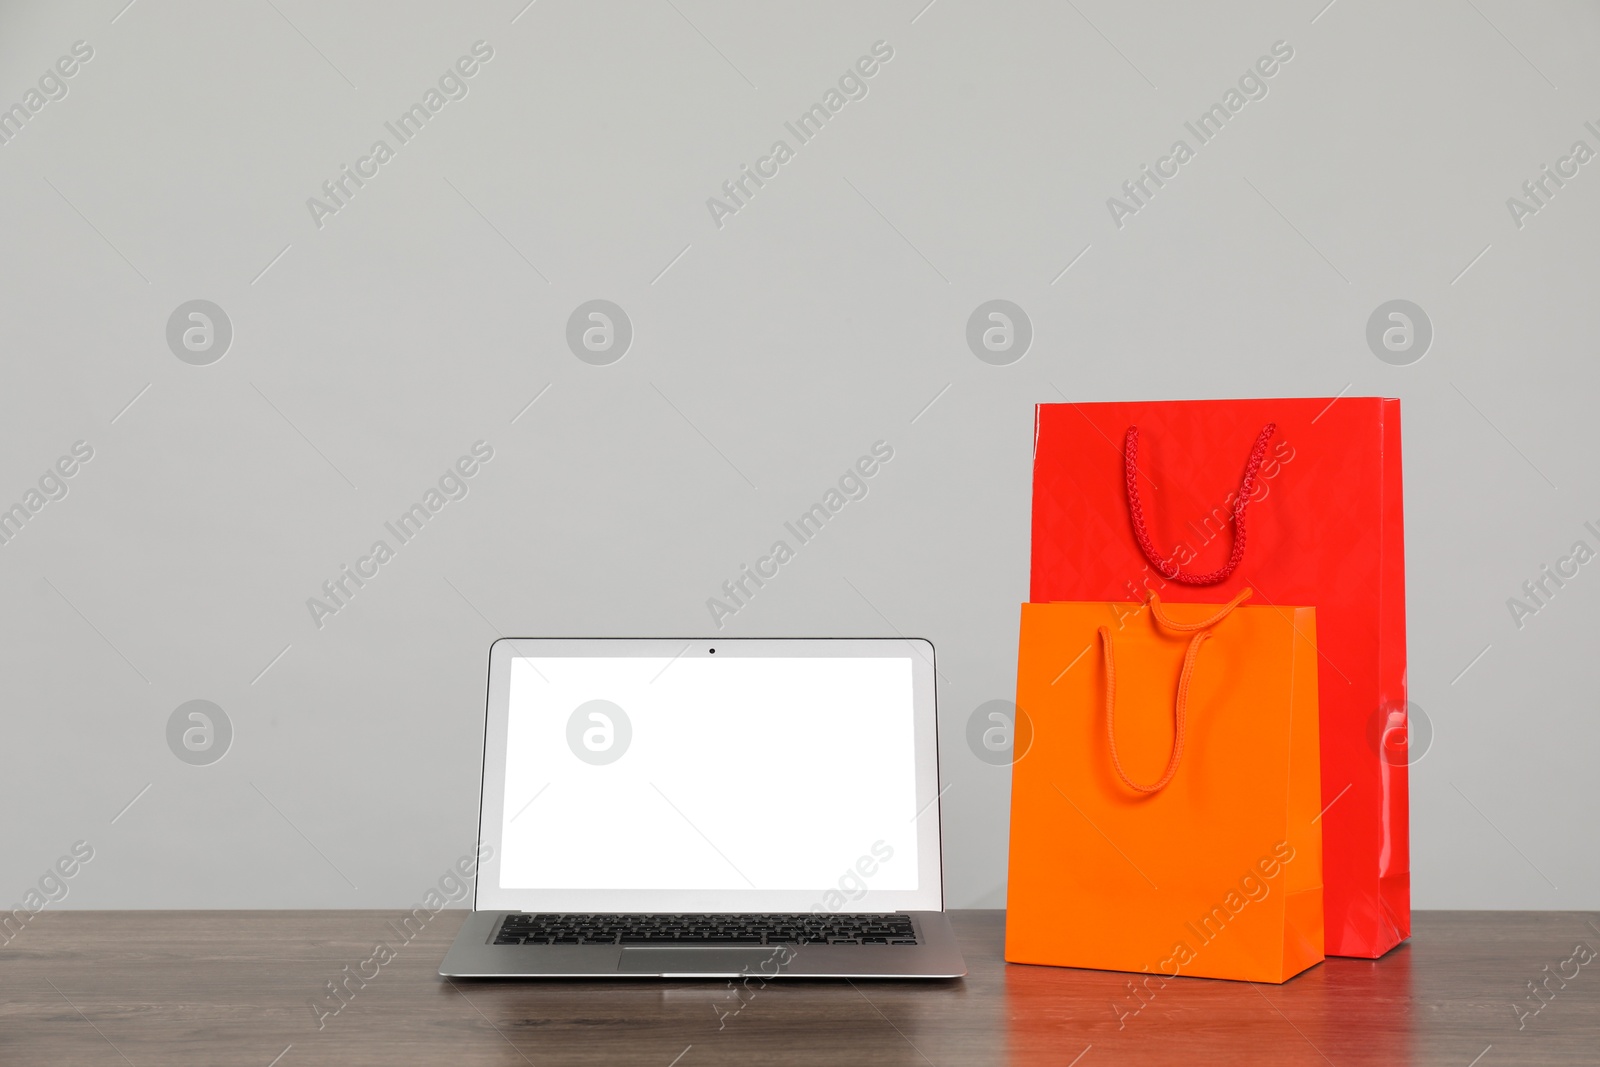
1180	711
1189	627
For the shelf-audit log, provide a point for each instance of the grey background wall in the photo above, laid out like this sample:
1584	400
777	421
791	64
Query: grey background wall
373	345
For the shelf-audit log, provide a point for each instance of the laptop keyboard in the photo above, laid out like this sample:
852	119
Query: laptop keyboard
612	929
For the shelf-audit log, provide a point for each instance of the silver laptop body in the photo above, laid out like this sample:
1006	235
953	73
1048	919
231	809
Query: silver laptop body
709	808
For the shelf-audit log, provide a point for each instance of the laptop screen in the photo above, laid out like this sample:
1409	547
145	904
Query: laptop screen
707	781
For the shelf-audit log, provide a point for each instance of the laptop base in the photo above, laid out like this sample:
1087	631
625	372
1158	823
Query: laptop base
474	955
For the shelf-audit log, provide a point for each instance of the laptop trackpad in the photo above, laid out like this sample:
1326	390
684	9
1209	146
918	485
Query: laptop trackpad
701	961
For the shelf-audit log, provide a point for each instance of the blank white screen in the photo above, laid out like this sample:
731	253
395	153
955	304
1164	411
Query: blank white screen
741	773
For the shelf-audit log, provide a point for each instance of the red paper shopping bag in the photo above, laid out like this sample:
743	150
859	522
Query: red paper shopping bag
1299	500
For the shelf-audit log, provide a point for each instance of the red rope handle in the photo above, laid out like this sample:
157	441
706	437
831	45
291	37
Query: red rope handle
1171	570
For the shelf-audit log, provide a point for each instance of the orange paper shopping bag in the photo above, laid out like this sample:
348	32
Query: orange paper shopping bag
1164	818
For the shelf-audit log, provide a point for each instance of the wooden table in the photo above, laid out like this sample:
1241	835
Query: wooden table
212	988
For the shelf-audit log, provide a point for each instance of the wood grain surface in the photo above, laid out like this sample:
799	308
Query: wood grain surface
214	988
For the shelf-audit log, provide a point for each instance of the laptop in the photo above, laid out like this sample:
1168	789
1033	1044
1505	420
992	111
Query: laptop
709	809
